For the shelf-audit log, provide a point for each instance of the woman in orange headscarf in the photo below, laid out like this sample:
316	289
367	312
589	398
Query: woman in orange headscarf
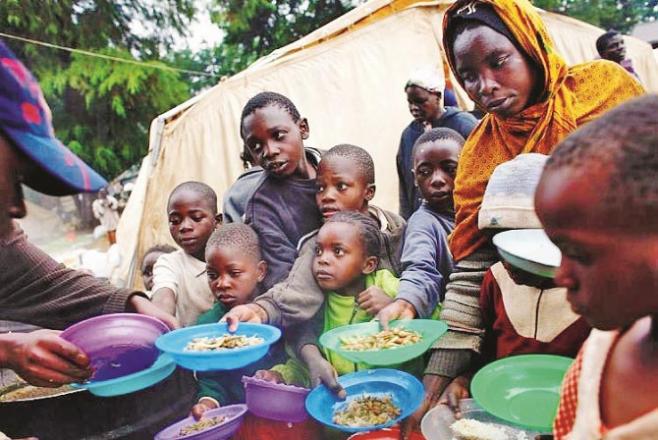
503	56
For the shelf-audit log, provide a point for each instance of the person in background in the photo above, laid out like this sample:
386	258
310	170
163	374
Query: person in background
598	202
611	47
425	97
34	288
150	257
105	209
179	283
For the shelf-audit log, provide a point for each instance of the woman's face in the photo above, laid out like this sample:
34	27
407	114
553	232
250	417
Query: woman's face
495	74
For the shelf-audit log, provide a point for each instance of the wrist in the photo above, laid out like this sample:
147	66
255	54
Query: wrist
407	306
134	299
309	352
260	312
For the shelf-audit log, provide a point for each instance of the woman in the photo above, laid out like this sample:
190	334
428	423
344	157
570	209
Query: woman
503	56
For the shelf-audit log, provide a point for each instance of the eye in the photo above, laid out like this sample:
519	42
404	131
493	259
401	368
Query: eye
321	188
279	135
235	273
318	251
256	148
339	251
468	76
500	61
451	169
424	171
198	218
341	186
212	276
174	220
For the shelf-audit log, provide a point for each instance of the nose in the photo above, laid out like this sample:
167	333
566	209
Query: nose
438	179
564	276
327	195
487	84
18	209
223	283
270	150
186	224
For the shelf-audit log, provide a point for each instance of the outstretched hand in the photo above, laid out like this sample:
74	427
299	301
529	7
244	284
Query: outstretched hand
139	304
455	392
373	299
204	404
244	313
434	386
398	309
321	371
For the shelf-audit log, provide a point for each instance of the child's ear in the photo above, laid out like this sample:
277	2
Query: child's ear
370	191
219	218
370	265
261	270
304	128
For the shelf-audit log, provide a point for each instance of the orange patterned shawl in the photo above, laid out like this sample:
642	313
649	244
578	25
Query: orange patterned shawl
575	95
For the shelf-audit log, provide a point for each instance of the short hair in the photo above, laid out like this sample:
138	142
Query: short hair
361	158
236	236
265	99
602	41
200	188
159	248
367	227
623	141
436	134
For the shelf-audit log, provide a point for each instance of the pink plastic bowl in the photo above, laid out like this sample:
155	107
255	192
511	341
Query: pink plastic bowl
275	401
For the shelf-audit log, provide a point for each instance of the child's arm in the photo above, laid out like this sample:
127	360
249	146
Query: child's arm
165	284
320	370
456	391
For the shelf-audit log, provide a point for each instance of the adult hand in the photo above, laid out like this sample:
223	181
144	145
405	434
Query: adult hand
433	385
321	371
398	309
139	304
373	299
269	375
455	392
244	313
204	404
44	359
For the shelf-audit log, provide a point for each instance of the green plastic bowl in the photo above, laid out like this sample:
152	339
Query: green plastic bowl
523	390
430	330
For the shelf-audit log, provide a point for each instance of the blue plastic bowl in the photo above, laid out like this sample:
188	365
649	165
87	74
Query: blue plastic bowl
223	431
174	344
407	393
130	383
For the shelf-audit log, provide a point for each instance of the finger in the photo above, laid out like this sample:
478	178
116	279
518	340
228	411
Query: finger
453	403
383	317
43	377
233	322
197	411
66	350
47	360
362	297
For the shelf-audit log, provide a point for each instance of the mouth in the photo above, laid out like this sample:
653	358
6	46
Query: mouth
187	241
439	195
417	115
226	299
328	211
496	104
276	167
322	275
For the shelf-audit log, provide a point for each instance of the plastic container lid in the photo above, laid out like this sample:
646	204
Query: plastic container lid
530	250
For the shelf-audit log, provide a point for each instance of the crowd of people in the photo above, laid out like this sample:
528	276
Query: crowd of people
300	245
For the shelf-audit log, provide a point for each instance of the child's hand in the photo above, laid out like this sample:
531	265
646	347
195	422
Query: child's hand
204	404
455	392
244	313
373	299
398	309
321	371
270	376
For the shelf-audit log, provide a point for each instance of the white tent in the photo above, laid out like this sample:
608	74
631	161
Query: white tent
347	78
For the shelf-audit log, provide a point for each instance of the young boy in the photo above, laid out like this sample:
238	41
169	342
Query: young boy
234	268
179	284
598	202
150	257
282	205
426	258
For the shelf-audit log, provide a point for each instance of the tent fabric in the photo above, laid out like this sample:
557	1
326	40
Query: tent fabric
347	78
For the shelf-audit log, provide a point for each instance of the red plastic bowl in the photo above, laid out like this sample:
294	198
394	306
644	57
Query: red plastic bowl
117	344
385	434
275	401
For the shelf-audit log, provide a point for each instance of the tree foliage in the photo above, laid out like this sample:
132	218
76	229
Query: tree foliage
621	15
101	108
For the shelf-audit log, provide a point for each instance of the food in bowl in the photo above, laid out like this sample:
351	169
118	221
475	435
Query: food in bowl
223	342
366	410
201	425
24	391
471	429
385	339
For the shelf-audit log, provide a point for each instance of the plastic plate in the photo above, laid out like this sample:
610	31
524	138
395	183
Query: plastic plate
407	393
174	344
430	331
523	390
384	434
259	395
530	250
221	431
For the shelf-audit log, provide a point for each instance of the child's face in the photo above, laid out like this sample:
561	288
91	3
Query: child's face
340	258
275	141
423	105
341	187
191	221
435	167
496	75
610	272
233	275
147	268
615	49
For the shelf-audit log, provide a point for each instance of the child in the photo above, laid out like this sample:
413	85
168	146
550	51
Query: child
234	268
426	259
179	284
150	257
598	201
105	209
424	92
522	313
282	207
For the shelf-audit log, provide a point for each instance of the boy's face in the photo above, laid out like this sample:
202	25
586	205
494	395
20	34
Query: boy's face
423	105
275	141
610	271
615	50
435	167
496	75
147	269
12	171
341	187
191	221
233	275
340	258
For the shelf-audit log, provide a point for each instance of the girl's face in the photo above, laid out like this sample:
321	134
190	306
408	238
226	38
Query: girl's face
423	105
435	167
341	187
495	74
275	141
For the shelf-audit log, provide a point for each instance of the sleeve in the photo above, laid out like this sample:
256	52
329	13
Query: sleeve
566	411
449	363
421	283
236	198
36	289
165	273
210	385
406	202
298	297
294	373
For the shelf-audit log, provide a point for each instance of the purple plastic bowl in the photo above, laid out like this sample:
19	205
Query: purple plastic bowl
275	401
223	431
117	344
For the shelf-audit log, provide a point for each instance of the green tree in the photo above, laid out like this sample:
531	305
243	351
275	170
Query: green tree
621	15
102	108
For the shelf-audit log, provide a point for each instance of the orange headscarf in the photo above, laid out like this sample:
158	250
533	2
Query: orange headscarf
573	96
